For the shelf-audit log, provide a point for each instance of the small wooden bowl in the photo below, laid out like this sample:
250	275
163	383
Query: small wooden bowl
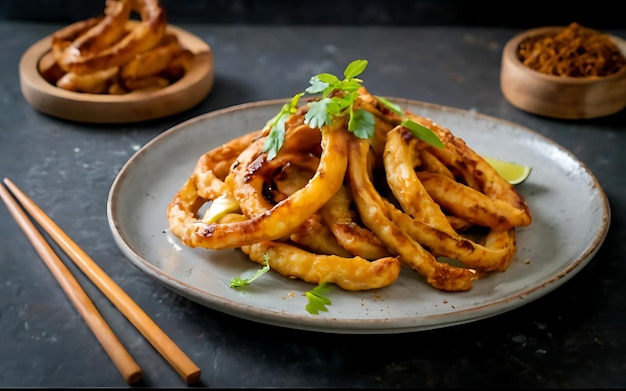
185	93
559	96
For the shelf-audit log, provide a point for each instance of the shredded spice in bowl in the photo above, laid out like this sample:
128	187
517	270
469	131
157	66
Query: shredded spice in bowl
575	51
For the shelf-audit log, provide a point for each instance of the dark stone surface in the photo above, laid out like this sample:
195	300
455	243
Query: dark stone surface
572	337
526	14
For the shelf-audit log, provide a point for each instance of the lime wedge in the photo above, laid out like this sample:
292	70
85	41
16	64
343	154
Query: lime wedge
514	173
220	207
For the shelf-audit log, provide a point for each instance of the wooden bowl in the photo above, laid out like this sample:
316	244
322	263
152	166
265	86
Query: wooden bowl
185	93
559	96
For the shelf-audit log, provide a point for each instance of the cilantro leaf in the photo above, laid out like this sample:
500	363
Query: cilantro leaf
317	299
392	106
423	133
318	114
327	78
355	68
350	86
362	124
239	282
317	85
275	138
338	105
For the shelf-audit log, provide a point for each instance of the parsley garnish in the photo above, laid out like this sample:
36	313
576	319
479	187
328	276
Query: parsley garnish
276	137
317	299
238	282
338	97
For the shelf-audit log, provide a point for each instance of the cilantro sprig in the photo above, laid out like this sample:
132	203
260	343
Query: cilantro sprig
239	282
276	137
337	100
317	300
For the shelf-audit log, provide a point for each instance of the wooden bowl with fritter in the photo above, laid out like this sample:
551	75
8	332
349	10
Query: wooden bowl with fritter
139	106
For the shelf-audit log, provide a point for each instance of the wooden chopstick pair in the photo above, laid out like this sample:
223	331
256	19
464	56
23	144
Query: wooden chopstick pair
126	365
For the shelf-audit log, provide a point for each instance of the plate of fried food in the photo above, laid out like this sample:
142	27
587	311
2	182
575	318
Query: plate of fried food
127	65
348	212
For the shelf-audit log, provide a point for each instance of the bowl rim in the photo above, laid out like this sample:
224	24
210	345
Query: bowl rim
510	53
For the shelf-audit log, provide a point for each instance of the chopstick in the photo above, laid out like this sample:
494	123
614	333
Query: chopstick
146	326
126	365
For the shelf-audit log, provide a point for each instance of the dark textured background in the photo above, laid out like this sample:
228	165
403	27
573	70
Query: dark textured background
570	338
525	14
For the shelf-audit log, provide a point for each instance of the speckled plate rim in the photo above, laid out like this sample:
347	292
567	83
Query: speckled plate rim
562	239
187	92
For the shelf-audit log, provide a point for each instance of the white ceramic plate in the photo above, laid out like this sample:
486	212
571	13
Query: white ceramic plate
570	210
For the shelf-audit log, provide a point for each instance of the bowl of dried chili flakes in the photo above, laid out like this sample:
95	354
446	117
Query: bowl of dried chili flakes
566	72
